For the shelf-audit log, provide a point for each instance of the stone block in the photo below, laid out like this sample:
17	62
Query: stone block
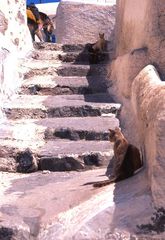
81	23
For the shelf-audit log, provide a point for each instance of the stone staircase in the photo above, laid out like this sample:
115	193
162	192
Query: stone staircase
62	112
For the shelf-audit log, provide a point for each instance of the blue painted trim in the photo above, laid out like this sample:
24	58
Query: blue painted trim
41	1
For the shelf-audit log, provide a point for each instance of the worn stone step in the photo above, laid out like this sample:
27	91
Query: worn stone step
42	46
58	47
89	128
61	155
38	67
75	128
32	106
76	57
82	57
69	155
50	85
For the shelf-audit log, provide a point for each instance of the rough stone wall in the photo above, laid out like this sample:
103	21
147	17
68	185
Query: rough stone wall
142	26
15	42
81	23
14	34
148	104
140	41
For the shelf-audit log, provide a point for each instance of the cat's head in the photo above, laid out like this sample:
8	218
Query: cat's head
101	35
113	133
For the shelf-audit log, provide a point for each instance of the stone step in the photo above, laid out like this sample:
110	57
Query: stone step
50	85
68	47
58	47
75	128
82	57
69	155
88	128
32	106
38	67
61	155
76	57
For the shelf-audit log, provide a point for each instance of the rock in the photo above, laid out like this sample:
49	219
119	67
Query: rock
8	164
27	162
12	233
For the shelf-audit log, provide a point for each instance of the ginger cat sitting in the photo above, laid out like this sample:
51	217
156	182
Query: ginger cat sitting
126	159
96	49
100	44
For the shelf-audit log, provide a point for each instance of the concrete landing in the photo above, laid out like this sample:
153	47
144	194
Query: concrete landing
86	213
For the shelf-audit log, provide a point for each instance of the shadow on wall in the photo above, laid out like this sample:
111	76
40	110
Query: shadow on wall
134	209
133	204
159	70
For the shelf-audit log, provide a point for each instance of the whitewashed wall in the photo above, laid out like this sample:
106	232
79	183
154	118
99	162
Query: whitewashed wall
15	42
137	75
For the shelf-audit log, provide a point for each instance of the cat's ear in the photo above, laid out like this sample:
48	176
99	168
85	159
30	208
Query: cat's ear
101	35
111	130
117	129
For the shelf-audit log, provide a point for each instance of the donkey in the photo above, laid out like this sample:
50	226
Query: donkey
37	21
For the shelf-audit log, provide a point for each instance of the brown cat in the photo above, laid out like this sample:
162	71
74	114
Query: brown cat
100	44
96	49
126	159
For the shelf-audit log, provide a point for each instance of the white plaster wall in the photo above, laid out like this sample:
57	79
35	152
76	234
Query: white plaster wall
140	44
16	37
133	18
15	42
141	24
148	104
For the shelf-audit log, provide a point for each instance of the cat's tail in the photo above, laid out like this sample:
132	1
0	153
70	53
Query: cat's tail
103	183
